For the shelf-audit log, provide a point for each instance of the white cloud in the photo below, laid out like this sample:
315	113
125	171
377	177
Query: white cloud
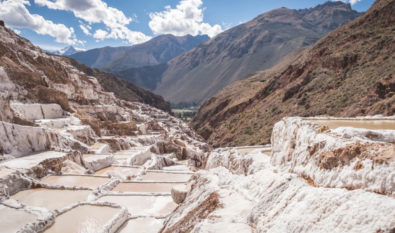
100	34
85	28
97	11
16	15
50	47
186	18
352	2
16	31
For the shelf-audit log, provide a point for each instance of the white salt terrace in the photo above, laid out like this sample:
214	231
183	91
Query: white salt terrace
374	124
31	161
75	181
84	218
145	187
37	111
248	149
49	198
116	198
155	206
145	224
125	171
166	176
148	200
97	162
12	220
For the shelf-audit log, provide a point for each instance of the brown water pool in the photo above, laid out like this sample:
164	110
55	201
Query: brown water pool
124	171
365	124
11	220
144	187
180	168
49	198
164	176
144	205
69	181
83	219
146	225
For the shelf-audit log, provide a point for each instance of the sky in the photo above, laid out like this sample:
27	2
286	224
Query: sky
87	24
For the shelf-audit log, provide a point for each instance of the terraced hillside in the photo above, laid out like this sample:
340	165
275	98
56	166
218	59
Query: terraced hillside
75	157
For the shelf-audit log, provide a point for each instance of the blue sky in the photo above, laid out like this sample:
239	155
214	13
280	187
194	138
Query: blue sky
53	24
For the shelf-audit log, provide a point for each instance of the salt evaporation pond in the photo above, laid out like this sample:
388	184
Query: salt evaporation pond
166	176
357	123
72	181
84	218
143	205
146	225
152	187
247	150
11	220
125	171
49	198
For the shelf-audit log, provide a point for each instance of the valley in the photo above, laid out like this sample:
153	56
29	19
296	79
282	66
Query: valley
295	131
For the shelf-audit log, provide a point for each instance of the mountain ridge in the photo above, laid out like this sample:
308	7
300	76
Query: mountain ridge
349	72
158	50
245	49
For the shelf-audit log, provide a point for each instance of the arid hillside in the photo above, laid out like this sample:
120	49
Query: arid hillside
44	76
350	72
245	49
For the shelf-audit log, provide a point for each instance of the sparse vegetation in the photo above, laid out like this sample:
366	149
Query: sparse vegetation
185	114
344	74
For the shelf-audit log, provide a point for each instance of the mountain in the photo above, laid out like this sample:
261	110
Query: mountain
67	51
153	52
350	72
243	50
47	78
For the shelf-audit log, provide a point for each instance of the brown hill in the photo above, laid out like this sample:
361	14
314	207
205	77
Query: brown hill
44	76
243	50
350	72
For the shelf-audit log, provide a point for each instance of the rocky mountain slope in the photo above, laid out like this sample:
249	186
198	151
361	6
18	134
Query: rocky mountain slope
29	71
243	50
156	51
349	72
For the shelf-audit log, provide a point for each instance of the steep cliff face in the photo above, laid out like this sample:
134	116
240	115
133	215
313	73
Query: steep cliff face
349	72
245	49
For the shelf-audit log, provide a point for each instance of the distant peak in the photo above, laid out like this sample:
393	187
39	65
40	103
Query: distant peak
68	50
335	4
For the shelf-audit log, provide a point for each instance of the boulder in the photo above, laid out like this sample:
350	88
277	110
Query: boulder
179	193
